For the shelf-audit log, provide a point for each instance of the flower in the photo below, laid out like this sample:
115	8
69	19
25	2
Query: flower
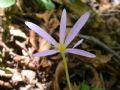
65	40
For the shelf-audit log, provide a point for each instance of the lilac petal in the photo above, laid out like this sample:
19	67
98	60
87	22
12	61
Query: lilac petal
76	28
81	52
46	53
78	43
62	26
41	32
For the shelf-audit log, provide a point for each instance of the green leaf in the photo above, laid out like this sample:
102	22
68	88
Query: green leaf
6	3
84	86
48	4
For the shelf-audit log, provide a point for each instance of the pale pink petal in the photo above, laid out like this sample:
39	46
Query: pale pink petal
41	32
46	53
62	26
81	52
78	43
76	28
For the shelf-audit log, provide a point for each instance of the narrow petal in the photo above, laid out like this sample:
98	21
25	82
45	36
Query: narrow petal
78	43
81	52
62	26
41	32
76	28
46	53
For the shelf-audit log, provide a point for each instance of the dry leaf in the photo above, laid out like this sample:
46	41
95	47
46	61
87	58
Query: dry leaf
100	59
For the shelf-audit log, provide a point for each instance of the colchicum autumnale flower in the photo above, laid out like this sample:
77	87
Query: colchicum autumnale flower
65	40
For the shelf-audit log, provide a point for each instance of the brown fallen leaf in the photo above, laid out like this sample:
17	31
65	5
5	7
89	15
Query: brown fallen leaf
100	59
96	79
58	73
50	20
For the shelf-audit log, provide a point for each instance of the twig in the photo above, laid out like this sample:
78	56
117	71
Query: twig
101	44
102	79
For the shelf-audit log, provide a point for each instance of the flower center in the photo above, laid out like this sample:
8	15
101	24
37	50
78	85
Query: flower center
61	47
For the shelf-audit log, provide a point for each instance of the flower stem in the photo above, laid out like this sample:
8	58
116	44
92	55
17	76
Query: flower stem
66	71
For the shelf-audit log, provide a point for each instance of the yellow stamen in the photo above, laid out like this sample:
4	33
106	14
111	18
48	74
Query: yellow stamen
61	47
